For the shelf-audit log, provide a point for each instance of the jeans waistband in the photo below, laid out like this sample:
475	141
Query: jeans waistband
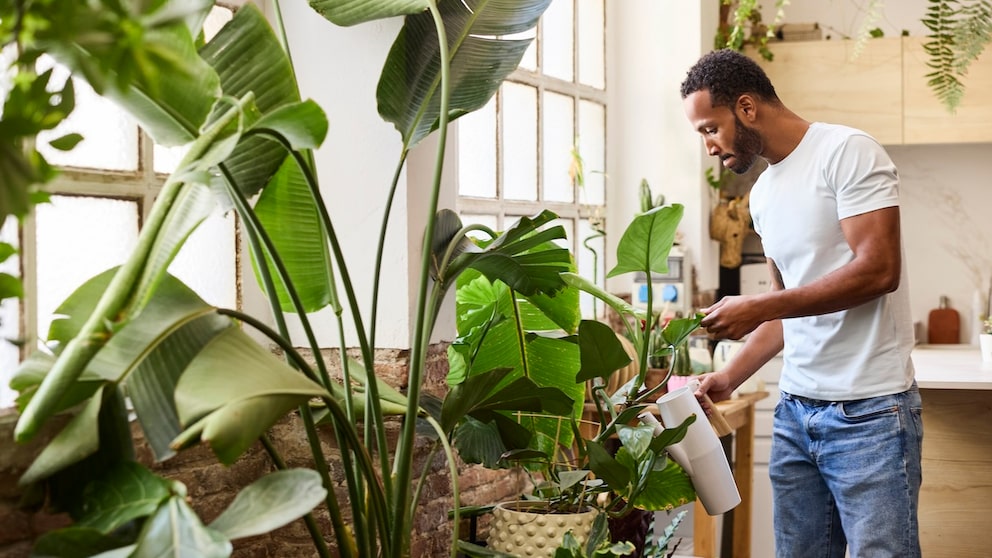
807	401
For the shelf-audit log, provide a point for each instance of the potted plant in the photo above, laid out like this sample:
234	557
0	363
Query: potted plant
189	371
500	329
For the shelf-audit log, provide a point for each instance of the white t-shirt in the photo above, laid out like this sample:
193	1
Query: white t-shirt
797	204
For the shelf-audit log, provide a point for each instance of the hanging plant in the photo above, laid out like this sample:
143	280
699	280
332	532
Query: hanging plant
747	28
959	32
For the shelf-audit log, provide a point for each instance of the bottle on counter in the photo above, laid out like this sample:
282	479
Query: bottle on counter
943	324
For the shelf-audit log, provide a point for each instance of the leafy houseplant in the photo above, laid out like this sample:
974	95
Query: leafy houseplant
189	371
500	329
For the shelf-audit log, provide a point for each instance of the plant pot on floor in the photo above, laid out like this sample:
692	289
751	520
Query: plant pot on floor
527	529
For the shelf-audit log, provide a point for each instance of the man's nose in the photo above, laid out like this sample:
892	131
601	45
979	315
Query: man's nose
711	147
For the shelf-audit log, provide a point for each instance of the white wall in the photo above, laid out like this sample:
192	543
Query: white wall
652	48
339	68
946	195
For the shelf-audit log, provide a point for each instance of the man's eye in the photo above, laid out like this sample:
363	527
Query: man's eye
710	131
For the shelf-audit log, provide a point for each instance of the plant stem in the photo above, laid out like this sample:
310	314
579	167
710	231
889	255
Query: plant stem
403	461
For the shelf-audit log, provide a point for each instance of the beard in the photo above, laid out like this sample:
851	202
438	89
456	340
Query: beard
747	146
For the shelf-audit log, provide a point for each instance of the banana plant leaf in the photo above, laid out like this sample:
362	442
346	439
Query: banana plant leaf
78	440
286	210
234	390
248	57
94	440
183	203
32	371
353	12
480	58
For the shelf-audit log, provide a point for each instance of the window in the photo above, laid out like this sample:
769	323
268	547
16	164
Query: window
99	201
518	154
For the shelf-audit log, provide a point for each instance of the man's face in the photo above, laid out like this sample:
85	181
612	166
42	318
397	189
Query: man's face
724	135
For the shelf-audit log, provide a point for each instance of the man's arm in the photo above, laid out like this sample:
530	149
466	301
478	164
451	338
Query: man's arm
765	342
874	271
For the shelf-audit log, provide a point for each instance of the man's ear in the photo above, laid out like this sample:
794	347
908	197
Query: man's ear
746	108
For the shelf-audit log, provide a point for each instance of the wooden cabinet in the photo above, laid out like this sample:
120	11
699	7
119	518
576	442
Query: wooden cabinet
824	81
927	120
883	90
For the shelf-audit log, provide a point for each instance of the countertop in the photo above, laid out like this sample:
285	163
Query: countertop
951	367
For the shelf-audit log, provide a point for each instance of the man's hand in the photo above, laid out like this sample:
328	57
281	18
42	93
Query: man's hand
717	386
733	317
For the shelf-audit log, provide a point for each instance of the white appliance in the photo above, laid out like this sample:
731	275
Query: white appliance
755	278
672	291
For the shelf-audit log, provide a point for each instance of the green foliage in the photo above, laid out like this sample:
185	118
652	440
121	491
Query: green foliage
959	32
191	372
596	546
746	19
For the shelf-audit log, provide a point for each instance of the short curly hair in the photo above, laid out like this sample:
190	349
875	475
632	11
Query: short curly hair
728	74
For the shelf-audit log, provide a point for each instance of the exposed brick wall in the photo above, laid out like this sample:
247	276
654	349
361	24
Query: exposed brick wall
212	486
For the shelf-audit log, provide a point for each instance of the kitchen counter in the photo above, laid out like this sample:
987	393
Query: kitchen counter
956	496
951	367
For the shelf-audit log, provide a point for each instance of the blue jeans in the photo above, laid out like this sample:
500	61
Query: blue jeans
847	472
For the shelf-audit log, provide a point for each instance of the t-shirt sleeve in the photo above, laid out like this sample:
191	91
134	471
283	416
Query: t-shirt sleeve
863	177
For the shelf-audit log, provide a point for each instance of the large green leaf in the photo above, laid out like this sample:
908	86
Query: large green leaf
152	383
480	58
237	389
32	371
286	211
124	493
79	439
177	532
248	58
177	211
487	391
149	353
524	257
601	352
271	502
352	12
666	489
647	241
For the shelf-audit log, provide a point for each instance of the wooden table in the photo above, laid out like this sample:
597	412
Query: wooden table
739	412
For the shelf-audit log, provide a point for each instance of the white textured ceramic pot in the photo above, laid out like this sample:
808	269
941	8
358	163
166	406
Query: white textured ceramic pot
985	346
525	529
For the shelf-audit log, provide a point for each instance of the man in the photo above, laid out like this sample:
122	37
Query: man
845	460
